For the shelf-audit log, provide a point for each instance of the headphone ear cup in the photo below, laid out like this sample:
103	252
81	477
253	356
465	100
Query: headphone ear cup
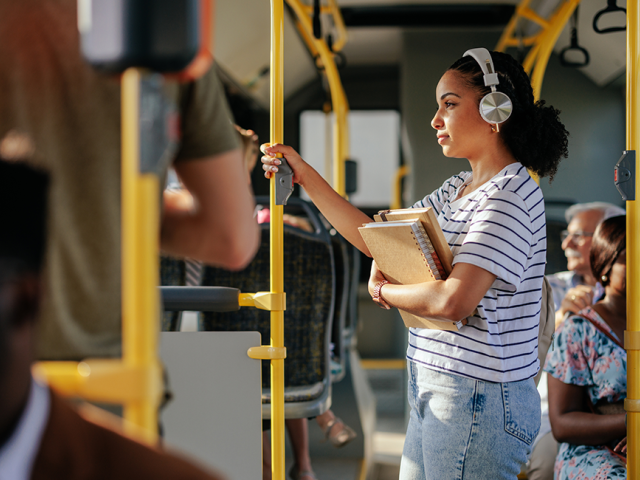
495	107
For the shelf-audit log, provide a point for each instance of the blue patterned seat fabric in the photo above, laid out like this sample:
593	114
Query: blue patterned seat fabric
309	286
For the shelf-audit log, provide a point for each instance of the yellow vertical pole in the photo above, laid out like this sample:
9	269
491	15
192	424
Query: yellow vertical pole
328	140
140	217
340	121
396	196
633	251
340	143
277	243
338	164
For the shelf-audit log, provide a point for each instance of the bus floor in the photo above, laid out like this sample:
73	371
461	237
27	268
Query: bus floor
387	439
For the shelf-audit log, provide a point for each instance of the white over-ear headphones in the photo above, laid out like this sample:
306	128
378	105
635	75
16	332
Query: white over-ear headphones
495	107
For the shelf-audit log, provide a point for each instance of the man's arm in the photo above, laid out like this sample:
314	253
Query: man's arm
219	229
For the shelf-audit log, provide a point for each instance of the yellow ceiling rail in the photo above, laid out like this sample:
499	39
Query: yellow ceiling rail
135	380
336	15
632	404
325	59
541	43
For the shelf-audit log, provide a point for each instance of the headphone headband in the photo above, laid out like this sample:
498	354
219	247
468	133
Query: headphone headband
483	57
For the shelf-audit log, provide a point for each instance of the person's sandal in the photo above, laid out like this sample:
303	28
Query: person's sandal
295	474
340	439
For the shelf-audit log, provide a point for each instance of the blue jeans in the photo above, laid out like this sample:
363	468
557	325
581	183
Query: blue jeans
462	428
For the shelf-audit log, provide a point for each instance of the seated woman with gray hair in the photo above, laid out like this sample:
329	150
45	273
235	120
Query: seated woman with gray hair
576	288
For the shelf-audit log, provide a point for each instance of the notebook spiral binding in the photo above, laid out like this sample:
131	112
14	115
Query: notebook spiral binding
428	252
431	265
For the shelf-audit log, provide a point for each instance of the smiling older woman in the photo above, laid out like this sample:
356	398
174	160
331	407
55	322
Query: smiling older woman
475	409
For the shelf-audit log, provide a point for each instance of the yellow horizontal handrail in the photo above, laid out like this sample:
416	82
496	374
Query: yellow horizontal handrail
521	41
533	16
508	34
100	380
383	364
338	21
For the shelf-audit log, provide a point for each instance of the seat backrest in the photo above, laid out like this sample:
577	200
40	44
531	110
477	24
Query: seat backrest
556	259
351	325
547	325
343	279
309	284
172	274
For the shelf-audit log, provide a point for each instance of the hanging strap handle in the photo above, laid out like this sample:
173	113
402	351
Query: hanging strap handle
317	24
573	46
611	7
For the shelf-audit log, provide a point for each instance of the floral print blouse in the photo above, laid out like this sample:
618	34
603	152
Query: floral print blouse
583	355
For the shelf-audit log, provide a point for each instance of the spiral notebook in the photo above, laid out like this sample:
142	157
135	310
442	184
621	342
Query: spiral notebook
407	254
434	233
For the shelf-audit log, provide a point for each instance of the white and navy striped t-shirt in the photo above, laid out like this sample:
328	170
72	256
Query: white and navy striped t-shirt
500	227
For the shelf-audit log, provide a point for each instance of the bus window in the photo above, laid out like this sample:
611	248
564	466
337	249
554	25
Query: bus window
374	142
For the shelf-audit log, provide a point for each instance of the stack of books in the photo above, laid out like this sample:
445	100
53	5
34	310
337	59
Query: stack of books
409	247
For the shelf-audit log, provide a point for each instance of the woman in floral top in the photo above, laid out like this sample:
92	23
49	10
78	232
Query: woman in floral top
587	369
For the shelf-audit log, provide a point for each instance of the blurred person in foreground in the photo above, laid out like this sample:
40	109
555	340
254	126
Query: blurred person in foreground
41	436
72	114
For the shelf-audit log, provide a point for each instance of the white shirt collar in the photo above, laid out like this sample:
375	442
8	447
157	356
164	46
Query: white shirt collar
19	453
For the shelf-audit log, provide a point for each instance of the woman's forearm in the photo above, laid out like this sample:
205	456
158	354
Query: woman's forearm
583	428
343	216
452	299
422	299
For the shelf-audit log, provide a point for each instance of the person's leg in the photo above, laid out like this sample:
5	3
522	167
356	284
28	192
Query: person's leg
543	458
506	421
411	464
446	404
461	428
298	429
334	429
266	455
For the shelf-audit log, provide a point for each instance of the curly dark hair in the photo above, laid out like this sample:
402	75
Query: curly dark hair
534	134
609	240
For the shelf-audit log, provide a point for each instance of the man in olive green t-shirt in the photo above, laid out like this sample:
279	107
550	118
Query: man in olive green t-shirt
72	114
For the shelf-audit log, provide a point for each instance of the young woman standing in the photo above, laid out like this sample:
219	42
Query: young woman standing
475	409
